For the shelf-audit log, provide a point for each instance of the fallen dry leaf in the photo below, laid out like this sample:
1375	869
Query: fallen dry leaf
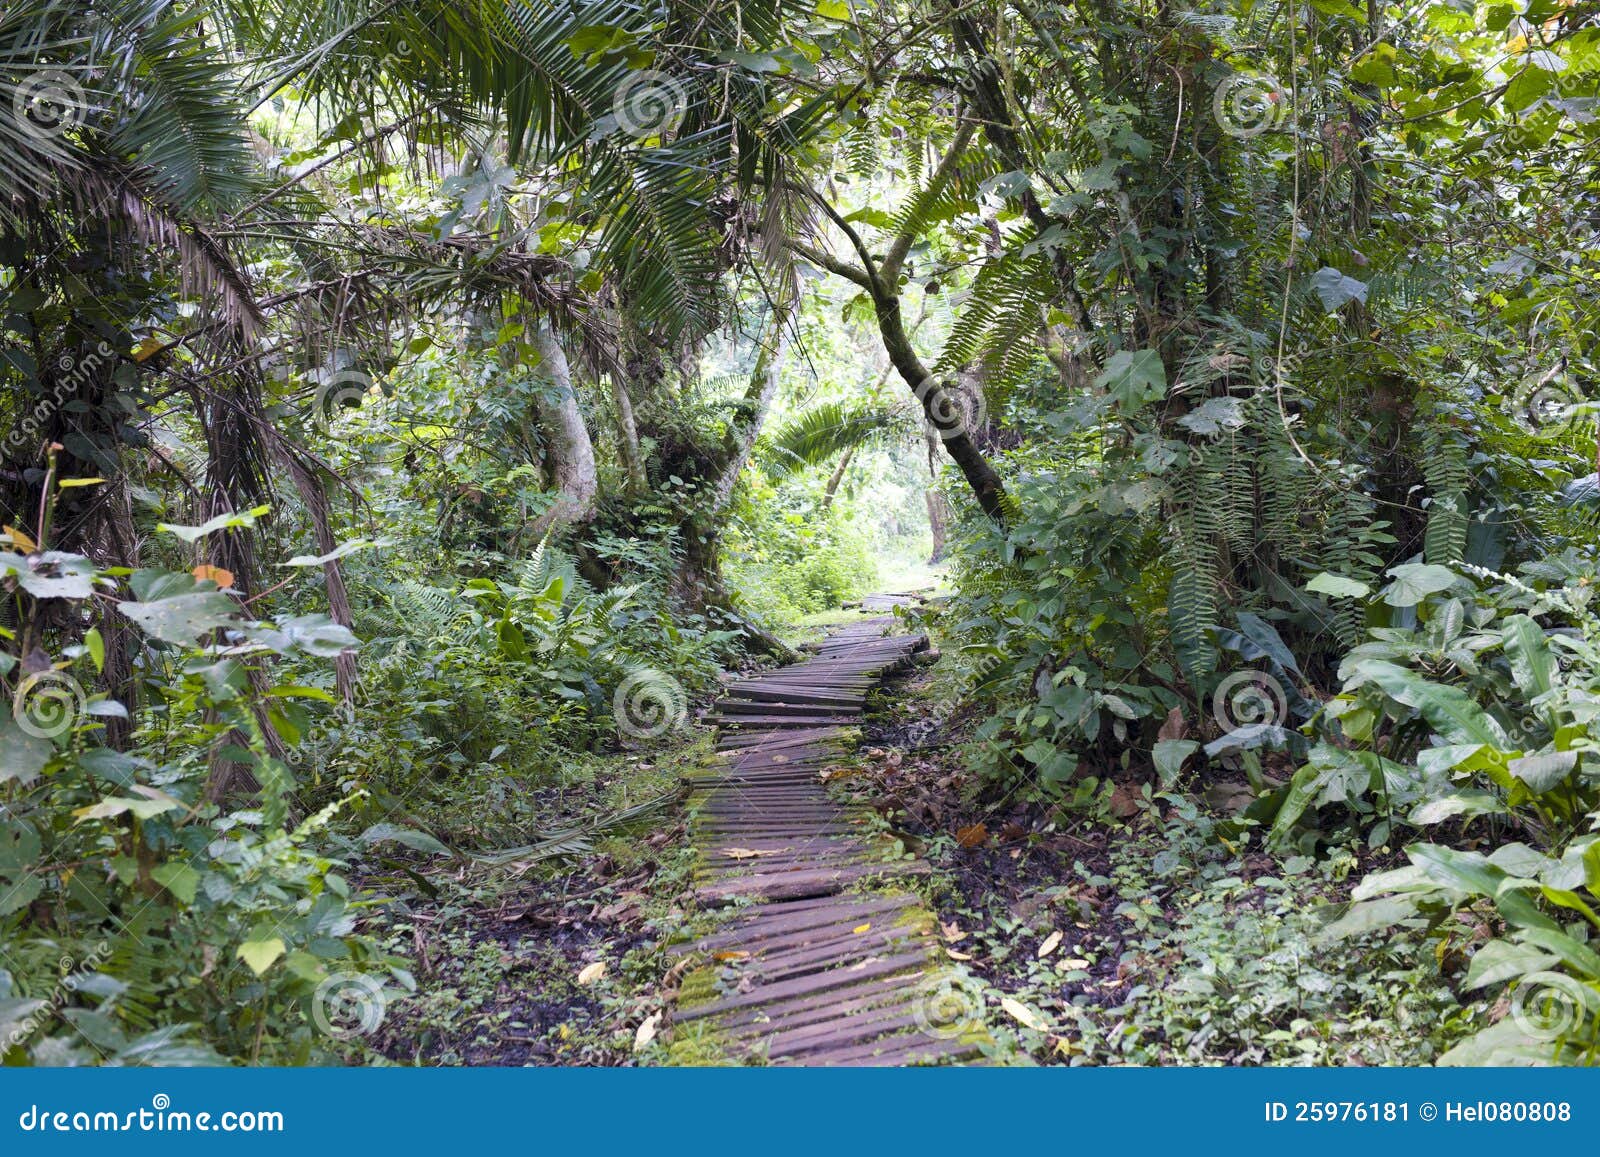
1023	1015
954	955
732	954
974	836
952	933
647	1031
1173	727
1072	962
20	539
590	973
1051	943
860	928
747	853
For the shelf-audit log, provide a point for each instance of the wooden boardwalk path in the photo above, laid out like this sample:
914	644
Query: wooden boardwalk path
822	961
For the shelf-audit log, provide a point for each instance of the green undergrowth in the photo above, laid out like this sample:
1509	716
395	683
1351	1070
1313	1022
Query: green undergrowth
552	958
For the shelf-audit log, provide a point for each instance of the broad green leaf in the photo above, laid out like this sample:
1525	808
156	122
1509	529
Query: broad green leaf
1338	586
1500	960
260	954
22	755
179	879
1415	581
242	520
1134	378
1214	415
183	619
1371	916
410	837
1449	710
1532	664
303	560
1463	803
96	644
1169	755
1335	289
16	895
1471	873
1566	898
1544	771
51	575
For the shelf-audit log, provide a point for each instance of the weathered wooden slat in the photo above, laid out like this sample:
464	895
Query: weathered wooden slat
826	975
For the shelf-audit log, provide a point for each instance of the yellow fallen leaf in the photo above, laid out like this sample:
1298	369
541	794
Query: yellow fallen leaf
592	972
21	540
952	933
954	955
730	955
1072	962
860	928
746	853
1051	943
647	1031
1022	1014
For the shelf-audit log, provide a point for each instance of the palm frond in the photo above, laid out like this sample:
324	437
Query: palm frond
821	434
